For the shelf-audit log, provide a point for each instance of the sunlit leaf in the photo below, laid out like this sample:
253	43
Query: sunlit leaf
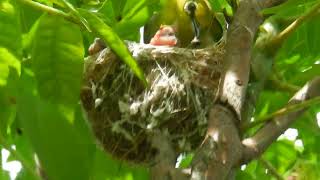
57	60
10	54
115	43
60	149
10	36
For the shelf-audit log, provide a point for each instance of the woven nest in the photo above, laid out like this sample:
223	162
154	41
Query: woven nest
124	114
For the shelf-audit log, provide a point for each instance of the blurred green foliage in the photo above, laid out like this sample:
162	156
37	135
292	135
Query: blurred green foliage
41	64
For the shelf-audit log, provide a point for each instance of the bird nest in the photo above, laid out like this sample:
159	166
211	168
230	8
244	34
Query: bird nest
124	114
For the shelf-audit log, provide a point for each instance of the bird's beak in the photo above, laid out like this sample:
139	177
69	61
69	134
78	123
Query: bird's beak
190	8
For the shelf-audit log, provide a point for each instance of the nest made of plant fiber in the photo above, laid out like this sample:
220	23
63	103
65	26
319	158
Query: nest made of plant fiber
123	113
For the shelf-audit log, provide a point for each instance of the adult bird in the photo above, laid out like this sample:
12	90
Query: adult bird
194	22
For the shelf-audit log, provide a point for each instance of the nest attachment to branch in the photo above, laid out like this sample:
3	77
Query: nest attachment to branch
124	115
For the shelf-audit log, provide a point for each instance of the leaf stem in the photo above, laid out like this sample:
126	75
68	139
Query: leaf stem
281	112
51	10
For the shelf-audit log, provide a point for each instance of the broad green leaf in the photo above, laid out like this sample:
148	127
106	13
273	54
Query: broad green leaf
118	7
10	36
10	53
115	43
9	63
57	59
10	40
60	149
107	13
127	17
28	16
134	23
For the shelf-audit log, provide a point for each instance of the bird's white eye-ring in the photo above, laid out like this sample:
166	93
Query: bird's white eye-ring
190	7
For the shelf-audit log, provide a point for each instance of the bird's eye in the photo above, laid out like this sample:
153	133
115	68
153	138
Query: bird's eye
190	7
171	33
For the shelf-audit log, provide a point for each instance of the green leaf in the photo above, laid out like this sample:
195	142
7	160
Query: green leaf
57	60
133	22
186	160
107	13
9	63
127	17
10	53
10	36
113	40
28	16
57	143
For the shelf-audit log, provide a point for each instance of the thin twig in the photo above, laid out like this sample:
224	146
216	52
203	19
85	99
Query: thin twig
282	85
281	112
282	36
271	169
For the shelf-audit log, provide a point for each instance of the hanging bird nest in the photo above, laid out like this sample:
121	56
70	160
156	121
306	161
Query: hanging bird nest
124	114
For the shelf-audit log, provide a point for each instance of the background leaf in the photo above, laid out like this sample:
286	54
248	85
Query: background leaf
57	143
57	60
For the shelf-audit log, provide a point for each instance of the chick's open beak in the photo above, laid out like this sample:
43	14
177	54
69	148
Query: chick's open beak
165	36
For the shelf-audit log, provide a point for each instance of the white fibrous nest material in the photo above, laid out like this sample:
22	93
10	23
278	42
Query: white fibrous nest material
124	114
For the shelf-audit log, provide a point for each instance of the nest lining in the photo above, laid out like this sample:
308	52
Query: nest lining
123	114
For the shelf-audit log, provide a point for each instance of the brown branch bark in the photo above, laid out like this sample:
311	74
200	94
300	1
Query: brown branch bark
164	169
238	53
257	144
221	149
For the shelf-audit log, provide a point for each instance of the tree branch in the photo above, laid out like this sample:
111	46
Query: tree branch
241	35
220	149
257	144
238	53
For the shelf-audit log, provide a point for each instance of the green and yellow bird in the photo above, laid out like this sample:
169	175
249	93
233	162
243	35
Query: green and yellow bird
194	22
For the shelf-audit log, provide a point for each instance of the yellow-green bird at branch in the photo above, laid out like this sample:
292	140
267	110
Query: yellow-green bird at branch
194	22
